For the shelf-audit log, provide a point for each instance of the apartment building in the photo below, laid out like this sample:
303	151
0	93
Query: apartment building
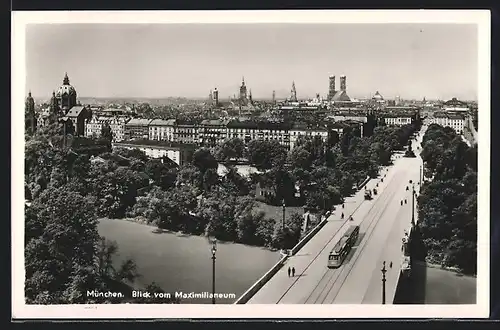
453	120
397	119
212	132
299	130
186	133
350	115
137	129
162	130
180	154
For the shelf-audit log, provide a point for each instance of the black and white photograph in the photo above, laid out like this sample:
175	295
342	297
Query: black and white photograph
336	161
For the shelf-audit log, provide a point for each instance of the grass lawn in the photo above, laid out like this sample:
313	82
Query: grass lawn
276	212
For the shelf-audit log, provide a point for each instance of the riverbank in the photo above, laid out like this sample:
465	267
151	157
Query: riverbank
179	262
143	222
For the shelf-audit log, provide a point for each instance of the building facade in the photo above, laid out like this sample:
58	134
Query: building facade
212	132
137	129
455	105
453	120
162	130
397	120
178	154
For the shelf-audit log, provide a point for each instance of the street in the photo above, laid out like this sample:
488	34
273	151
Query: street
382	222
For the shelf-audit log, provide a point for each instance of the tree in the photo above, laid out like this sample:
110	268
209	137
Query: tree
266	154
61	239
204	160
107	134
231	148
300	158
161	174
131	153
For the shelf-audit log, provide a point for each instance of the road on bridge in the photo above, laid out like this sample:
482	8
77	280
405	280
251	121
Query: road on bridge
382	220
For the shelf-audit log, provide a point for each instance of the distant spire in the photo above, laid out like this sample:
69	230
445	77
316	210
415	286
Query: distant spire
29	93
66	79
243	80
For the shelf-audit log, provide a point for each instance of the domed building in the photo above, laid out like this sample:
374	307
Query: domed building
378	98
66	95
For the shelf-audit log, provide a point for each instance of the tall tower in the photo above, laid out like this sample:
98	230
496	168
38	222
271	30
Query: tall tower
30	116
210	98
55	110
243	90
343	84
250	96
216	97
274	97
293	92
331	87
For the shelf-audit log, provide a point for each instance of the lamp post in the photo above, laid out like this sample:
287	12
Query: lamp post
283	221
413	205
421	174
214	250
384	270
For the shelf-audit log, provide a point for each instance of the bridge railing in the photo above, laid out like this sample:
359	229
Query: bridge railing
245	297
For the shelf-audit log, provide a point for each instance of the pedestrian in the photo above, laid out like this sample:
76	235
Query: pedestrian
342	216
289	270
342	205
390	265
293	271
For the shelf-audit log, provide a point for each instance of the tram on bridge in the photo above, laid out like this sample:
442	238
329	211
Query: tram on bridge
343	247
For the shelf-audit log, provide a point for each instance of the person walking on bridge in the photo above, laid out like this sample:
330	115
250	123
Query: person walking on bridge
293	271
289	271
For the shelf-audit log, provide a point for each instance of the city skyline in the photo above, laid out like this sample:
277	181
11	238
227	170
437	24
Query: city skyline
181	60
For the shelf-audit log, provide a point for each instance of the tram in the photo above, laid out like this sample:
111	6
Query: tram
343	247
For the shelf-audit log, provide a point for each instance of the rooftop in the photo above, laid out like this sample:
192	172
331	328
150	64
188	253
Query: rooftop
161	122
75	111
139	122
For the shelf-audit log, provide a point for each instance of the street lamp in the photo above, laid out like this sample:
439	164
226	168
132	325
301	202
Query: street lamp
413	204
421	174
214	251
383	270
283	221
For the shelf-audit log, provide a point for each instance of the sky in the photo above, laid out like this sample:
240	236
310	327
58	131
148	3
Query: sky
436	61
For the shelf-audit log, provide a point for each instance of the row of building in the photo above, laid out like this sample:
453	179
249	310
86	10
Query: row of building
208	132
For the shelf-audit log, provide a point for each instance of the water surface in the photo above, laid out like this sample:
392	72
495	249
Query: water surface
184	263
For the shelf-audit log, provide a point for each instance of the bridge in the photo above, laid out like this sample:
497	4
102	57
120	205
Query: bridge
383	222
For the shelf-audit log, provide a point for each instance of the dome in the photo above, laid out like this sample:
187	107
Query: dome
65	88
377	96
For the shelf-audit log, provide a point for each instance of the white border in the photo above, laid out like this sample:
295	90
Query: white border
479	310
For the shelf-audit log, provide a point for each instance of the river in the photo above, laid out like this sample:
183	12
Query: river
184	263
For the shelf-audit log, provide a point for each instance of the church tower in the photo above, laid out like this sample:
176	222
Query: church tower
243	90
215	98
293	92
331	87
66	95
30	116
55	110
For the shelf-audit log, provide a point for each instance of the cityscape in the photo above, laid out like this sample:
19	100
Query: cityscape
317	189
